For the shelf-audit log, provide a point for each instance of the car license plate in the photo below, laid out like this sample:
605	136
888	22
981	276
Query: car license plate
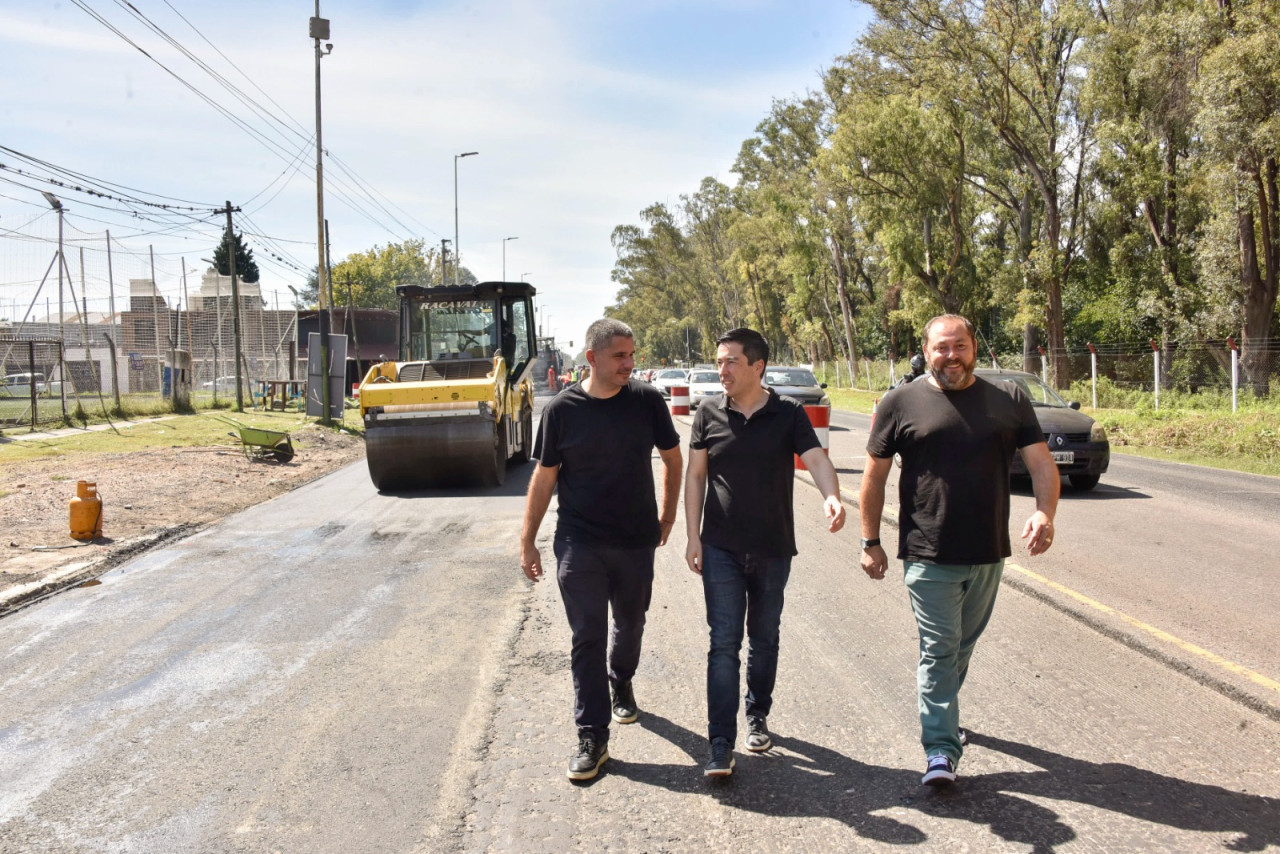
1064	457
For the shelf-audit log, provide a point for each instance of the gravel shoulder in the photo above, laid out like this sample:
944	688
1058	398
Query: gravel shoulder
150	496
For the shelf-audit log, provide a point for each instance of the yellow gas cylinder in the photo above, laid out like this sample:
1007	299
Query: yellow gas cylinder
86	512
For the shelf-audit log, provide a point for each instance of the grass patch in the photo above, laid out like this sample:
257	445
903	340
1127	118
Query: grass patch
202	429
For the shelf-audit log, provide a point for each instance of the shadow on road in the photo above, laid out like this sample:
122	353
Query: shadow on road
1118	788
803	779
1101	492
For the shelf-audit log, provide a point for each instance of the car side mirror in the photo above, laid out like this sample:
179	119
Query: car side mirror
1074	404
822	385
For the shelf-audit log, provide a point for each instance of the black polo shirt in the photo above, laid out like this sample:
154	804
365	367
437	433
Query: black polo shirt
751	473
604	447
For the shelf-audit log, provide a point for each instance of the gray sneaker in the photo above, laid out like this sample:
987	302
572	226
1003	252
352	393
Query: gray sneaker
758	740
721	762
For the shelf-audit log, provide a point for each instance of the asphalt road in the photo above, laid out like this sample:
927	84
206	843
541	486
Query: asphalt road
338	670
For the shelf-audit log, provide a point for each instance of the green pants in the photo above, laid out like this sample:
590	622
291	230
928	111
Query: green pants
952	604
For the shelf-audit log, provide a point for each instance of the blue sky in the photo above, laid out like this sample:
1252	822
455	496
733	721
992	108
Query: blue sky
583	113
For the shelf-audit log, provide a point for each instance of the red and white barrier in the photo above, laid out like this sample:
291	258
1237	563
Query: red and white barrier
820	418
355	390
679	400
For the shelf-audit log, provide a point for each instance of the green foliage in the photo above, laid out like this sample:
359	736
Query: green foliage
1059	171
246	267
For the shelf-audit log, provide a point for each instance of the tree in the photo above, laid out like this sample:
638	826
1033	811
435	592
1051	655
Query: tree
246	267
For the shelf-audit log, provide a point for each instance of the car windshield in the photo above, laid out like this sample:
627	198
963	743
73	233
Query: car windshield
789	377
671	375
1039	393
704	377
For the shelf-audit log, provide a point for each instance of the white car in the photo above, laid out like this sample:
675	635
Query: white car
702	385
225	384
667	377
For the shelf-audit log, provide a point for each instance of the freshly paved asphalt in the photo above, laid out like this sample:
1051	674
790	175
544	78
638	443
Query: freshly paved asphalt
339	670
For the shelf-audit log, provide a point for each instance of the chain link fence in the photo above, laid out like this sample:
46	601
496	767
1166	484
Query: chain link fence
1196	374
148	358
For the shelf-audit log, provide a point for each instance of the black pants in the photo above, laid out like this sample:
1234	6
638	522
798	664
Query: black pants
593	580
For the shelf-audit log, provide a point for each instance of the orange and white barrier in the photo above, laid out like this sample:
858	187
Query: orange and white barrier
679	400
820	418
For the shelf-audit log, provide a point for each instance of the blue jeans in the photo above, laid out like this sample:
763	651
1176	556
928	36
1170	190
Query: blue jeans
952	604
593	581
741	589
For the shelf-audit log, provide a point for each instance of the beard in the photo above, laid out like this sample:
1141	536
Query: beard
954	383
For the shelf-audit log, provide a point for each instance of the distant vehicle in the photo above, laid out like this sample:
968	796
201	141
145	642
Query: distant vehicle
799	384
1078	443
702	385
19	385
227	384
667	377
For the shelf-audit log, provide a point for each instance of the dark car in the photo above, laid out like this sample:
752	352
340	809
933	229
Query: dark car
799	384
1078	443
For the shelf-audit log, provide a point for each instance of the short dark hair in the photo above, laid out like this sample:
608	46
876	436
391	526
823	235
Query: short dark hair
968	325
601	333
754	347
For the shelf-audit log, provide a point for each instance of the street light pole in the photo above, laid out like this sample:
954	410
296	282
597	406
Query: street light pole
319	31
457	247
56	204
504	256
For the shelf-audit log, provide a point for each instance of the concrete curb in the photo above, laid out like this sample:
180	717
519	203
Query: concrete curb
21	595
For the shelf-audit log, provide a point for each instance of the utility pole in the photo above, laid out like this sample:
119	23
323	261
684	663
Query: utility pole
444	260
235	307
319	31
56	204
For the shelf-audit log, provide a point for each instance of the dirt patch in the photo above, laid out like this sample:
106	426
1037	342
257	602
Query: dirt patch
149	496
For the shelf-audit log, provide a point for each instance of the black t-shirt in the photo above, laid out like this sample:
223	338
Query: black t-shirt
751	473
604	447
956	449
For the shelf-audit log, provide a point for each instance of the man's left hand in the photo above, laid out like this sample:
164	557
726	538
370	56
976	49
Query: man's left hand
834	512
1039	529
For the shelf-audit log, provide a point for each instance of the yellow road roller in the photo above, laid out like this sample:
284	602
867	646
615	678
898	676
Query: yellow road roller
457	404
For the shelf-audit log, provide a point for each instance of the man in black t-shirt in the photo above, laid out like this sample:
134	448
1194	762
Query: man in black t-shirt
956	434
741	527
595	441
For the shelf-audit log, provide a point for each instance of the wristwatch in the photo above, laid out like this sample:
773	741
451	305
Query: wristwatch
866	544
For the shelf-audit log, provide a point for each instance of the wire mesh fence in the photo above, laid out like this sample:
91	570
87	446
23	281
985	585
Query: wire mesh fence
1210	374
148	356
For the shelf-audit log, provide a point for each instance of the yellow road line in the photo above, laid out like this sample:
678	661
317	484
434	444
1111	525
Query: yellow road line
1185	646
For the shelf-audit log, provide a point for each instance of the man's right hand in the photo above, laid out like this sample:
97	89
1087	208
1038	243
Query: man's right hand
531	561
693	555
875	562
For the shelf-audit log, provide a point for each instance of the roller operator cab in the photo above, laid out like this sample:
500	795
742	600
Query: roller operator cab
457	404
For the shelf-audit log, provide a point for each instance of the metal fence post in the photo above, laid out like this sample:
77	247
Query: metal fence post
1093	371
1235	373
1155	362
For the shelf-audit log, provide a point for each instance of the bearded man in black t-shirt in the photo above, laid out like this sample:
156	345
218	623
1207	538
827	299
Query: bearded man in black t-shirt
956	434
595	441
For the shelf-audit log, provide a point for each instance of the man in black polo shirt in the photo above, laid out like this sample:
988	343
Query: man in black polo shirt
742	531
596	441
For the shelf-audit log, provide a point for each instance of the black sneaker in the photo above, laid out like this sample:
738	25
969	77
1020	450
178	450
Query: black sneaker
941	771
590	756
758	740
625	710
964	737
721	762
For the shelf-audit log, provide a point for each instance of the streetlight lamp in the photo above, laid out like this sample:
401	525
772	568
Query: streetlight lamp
522	275
504	256
457	247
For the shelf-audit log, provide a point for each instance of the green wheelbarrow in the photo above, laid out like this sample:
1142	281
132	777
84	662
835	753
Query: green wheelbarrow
260	444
